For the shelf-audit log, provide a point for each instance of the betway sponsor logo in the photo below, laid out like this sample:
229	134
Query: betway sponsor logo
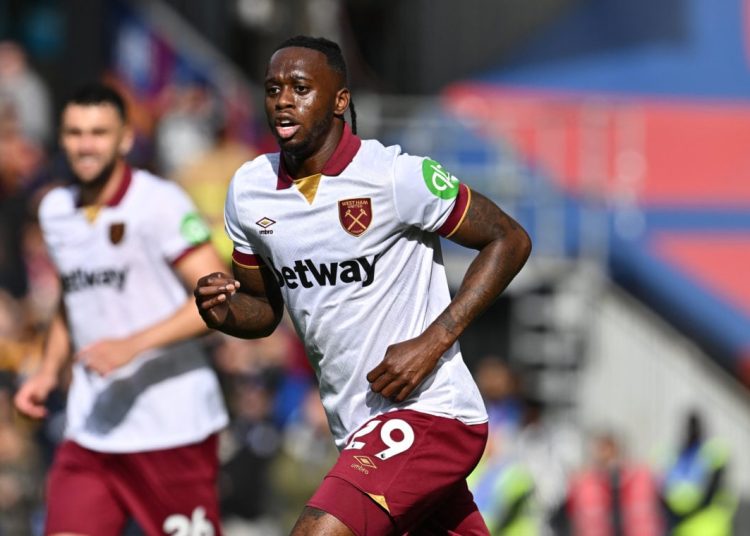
307	273
82	279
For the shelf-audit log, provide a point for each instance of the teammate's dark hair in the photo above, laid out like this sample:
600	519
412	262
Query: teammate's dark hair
334	56
98	93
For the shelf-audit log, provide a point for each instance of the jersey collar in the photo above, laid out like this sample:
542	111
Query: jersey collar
343	155
127	177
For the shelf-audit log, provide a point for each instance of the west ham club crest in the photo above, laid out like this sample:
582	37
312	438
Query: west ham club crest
116	232
355	215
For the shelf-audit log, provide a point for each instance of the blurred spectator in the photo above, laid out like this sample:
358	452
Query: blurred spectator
248	448
143	116
20	160
613	496
24	94
502	485
186	129
20	472
279	356
499	386
206	178
503	490
694	489
307	453
550	450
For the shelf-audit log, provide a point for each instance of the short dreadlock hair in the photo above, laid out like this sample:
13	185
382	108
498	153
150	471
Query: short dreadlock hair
333	55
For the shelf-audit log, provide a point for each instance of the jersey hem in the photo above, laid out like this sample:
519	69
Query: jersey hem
143	447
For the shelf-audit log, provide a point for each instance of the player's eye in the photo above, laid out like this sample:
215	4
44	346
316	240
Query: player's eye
272	90
301	89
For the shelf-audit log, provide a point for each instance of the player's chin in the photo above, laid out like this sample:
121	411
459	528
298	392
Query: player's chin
293	145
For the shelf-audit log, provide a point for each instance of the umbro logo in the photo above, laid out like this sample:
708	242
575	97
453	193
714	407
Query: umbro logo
265	223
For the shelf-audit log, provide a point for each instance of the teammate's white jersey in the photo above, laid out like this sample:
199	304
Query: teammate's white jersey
356	253
117	274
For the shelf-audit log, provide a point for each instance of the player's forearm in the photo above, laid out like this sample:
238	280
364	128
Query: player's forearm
488	275
185	323
250	317
57	349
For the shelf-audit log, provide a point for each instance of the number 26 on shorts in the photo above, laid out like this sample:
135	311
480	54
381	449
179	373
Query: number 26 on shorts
395	446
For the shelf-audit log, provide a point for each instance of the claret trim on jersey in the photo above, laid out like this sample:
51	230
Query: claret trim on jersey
247	260
340	159
127	178
457	215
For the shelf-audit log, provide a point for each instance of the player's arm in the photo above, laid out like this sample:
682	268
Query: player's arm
503	247
32	395
248	306
108	354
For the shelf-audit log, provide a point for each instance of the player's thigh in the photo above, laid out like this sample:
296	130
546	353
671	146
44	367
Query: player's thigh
172	491
339	506
79	499
314	522
457	515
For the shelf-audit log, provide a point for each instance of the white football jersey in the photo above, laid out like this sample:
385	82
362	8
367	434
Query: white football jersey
356	253
116	268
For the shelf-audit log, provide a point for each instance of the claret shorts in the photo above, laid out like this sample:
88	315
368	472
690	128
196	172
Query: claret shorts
168	491
405	472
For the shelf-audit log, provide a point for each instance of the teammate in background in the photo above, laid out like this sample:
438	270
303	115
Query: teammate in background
346	232
144	406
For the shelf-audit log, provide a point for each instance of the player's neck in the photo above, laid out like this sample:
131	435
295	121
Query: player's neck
305	166
101	192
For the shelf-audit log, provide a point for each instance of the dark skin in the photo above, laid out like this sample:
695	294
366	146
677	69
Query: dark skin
305	100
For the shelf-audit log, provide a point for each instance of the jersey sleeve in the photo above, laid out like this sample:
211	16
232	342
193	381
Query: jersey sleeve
428	196
181	227
243	253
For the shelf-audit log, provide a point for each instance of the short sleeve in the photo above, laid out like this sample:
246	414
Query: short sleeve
428	196
232	223
182	228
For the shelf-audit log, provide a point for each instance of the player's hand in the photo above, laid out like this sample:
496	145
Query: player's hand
106	355
405	365
32	395
212	293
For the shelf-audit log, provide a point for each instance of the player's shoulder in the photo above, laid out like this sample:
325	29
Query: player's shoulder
262	166
393	158
58	200
146	183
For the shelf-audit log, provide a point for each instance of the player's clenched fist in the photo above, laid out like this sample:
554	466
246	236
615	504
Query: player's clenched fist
212	293
32	395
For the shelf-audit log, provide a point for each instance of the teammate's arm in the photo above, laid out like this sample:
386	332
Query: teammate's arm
248	306
106	355
32	395
503	247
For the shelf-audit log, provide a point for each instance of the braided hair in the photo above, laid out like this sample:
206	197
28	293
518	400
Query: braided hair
334	56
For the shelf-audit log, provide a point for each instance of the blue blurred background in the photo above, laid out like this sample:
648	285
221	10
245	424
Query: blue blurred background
616	131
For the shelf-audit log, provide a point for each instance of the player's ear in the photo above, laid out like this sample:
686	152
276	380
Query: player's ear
342	101
127	140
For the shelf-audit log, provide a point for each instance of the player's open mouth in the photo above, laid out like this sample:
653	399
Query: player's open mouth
286	129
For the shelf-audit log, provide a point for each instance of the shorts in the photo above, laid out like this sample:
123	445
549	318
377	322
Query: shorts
405	472
169	491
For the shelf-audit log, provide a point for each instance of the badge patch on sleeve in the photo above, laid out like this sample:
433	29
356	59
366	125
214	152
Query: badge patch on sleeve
438	180
194	229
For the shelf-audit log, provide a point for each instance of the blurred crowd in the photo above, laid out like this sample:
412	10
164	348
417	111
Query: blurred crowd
538	476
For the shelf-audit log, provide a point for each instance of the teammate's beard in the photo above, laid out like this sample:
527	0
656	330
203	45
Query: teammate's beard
91	189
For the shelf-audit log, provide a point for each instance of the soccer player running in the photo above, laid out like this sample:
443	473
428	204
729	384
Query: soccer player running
345	232
144	405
